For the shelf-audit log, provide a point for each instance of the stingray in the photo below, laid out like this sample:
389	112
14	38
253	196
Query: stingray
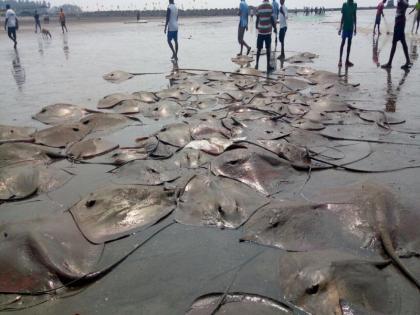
114	212
58	114
260	129
324	77
144	148
161	109
129	107
297	109
22	180
301	58
296	84
173	93
112	100
90	148
213	146
62	135
43	255
18	181
147	172
225	204
307	124
298	156
245	83
103	122
16	134
207	128
190	158
205	103
363	217
146	97
11	153
257	168
250	72
177	135
330	104
242	60
239	303
203	89
331	282
216	76
118	76
305	71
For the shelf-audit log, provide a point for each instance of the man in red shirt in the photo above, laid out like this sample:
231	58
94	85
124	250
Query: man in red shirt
265	24
379	15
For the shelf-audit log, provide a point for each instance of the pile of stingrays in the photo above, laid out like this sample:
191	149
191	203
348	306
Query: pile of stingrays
230	145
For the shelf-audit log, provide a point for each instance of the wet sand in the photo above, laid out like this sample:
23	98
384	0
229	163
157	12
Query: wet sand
172	270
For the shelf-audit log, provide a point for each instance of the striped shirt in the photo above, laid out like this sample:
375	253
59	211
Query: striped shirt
265	15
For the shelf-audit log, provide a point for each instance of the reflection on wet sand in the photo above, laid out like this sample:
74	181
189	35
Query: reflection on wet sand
66	47
375	51
18	71
391	93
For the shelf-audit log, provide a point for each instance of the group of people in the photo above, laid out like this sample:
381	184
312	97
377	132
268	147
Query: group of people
316	10
11	23
269	16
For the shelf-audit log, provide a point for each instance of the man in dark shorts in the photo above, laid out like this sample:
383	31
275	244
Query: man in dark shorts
265	24
62	18
243	26
399	35
37	22
171	26
348	26
379	15
11	24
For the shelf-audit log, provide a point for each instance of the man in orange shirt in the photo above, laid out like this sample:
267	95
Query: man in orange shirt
63	20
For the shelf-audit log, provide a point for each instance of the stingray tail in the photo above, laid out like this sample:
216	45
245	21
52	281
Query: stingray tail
390	250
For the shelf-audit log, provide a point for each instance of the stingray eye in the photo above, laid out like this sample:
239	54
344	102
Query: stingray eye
43	110
234	162
313	290
86	122
76	129
90	203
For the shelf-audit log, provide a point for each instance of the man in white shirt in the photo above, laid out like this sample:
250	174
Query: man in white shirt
11	24
283	17
171	26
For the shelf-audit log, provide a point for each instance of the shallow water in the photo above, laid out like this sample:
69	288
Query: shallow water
167	274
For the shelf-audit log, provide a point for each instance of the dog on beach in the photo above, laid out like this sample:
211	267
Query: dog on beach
46	33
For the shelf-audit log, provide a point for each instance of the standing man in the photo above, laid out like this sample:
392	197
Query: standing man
62	18
37	22
243	26
265	24
417	17
11	24
276	12
347	28
171	26
283	17
379	15
399	35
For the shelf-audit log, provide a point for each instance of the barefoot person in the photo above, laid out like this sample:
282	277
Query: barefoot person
283	16
265	24
379	15
399	35
416	17
243	26
11	24
347	28
276	12
62	18
37	22
171	26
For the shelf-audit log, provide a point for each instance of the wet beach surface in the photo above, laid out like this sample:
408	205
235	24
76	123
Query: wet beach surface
182	263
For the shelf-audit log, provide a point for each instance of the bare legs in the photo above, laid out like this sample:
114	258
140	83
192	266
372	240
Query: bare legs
174	50
241	41
391	56
343	42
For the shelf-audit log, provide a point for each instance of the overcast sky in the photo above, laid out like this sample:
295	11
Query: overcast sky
188	4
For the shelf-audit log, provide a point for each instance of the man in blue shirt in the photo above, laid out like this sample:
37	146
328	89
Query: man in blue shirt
243	26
